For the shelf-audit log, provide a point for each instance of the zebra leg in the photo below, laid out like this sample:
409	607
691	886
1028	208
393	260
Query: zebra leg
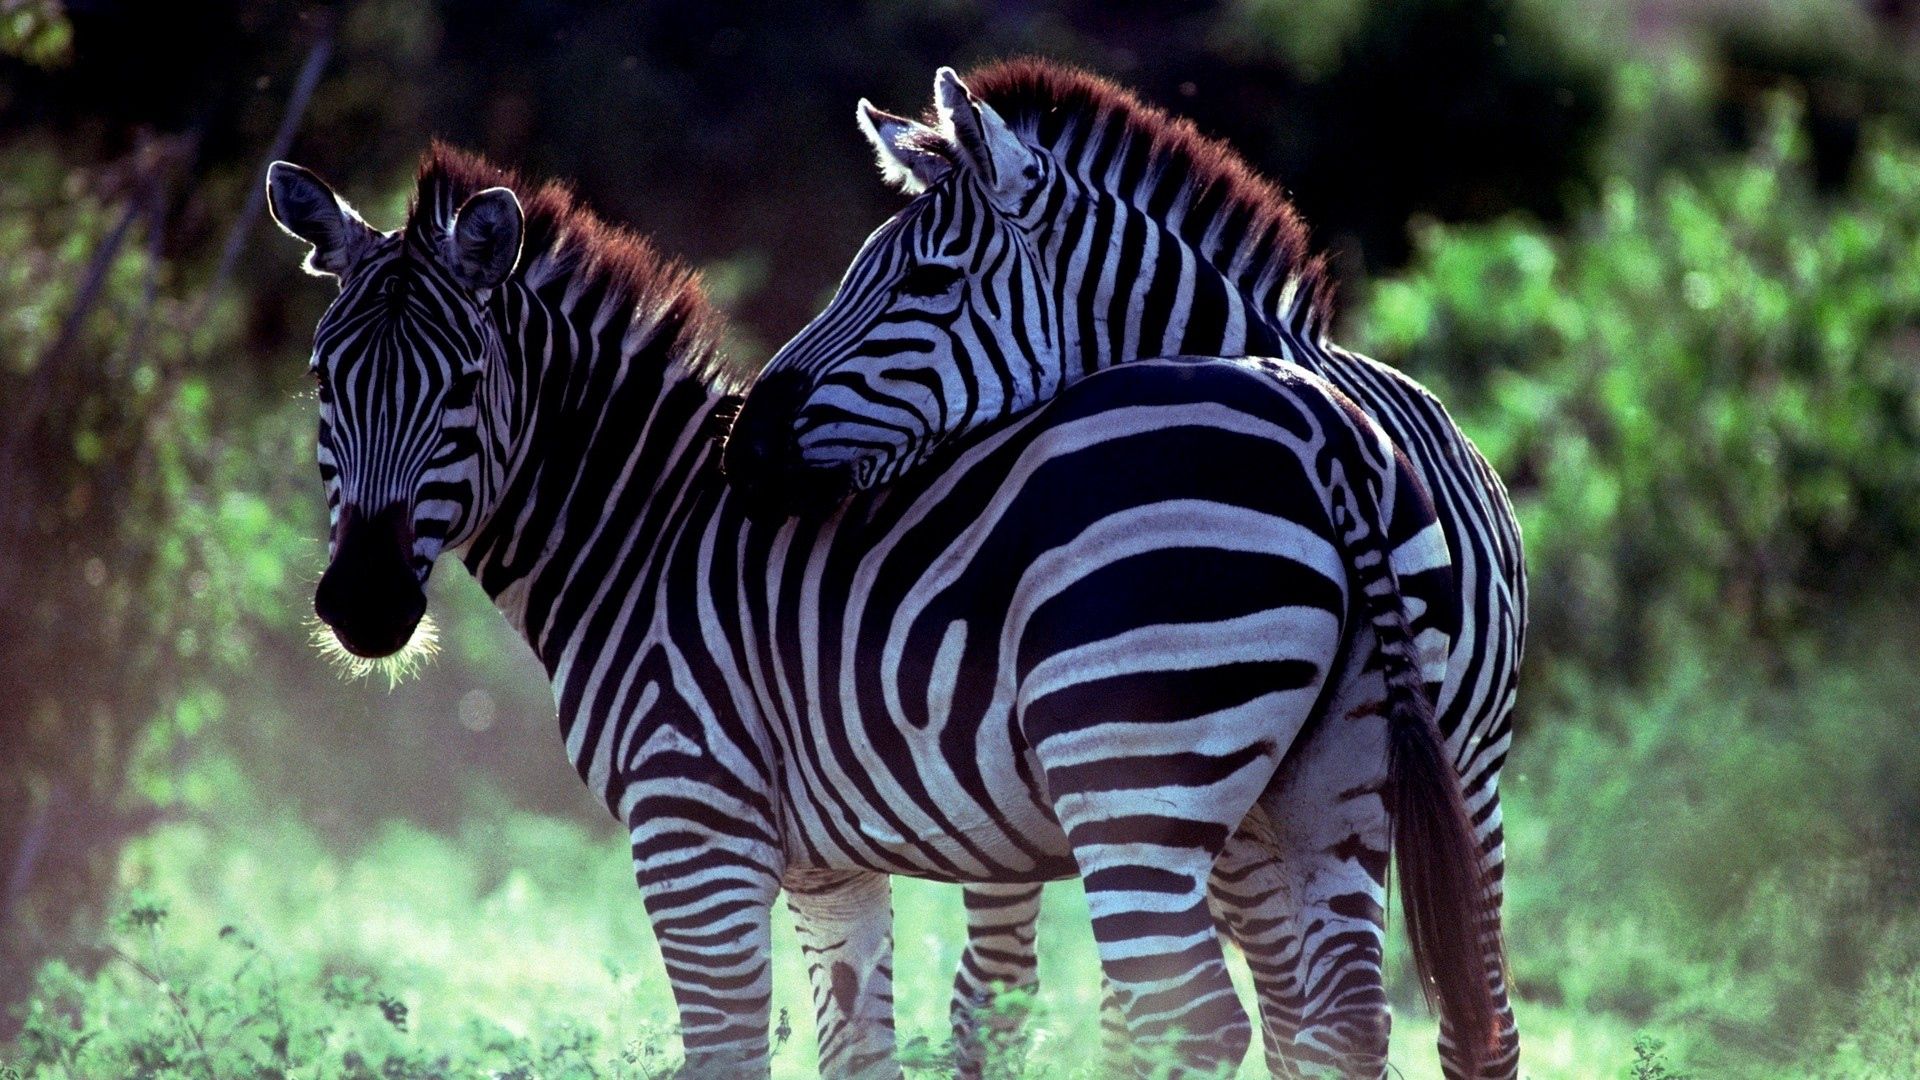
711	910
1116	1044
1146	857
1503	1060
844	920
1330	833
1148	802
999	956
1162	961
1254	907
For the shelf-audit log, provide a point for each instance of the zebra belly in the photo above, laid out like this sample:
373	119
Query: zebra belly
941	833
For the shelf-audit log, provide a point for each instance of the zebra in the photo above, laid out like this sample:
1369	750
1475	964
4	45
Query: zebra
985	673
1059	226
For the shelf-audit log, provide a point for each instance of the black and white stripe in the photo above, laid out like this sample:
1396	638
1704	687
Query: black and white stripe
1085	647
1060	227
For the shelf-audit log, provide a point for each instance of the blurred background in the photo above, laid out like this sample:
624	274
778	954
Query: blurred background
1661	259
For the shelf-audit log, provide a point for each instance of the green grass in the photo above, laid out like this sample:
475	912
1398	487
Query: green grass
519	944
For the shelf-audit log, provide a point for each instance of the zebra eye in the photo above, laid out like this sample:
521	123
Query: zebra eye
320	385
460	391
929	280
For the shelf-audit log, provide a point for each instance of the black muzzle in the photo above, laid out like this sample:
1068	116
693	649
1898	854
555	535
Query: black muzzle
762	460
369	597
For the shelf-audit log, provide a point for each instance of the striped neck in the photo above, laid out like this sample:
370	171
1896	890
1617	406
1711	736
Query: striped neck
606	433
1146	291
1164	241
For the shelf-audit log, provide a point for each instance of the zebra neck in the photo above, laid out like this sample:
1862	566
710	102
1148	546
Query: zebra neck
1131	287
610	439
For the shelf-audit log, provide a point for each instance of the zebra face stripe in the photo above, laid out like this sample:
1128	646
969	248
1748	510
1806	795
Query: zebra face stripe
939	325
400	360
411	438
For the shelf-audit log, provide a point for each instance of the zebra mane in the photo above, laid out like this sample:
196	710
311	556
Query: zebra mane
1237	219
564	239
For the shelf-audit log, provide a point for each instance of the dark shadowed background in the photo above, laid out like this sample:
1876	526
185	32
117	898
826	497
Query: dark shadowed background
1661	259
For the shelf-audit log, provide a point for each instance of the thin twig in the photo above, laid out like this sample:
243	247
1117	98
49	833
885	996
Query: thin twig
33	840
303	87
156	213
46	372
179	1003
29	412
88	295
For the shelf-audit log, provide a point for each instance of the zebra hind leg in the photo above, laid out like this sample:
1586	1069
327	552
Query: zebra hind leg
1148	824
844	920
1146	877
1254	907
1331	834
999	958
1502	1060
983	1033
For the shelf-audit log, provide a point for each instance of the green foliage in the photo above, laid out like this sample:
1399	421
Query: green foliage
1006	1040
516	948
118	473
1727	855
223	1010
1705	398
37	31
1649	1063
1885	1040
323	989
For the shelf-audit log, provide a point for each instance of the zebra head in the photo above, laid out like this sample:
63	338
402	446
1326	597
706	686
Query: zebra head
939	324
401	359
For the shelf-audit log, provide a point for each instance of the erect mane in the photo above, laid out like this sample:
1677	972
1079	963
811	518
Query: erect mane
565	239
1167	165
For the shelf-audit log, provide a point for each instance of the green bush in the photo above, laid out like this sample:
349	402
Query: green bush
420	957
1705	397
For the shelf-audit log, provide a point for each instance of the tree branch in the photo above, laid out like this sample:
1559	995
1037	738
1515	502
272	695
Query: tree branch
303	87
33	839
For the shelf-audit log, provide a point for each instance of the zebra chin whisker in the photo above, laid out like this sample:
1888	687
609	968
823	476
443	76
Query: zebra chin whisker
413	657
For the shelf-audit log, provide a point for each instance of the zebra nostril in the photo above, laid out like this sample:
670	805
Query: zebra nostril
330	600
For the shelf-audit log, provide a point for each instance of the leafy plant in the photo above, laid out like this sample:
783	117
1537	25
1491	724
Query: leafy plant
1649	1061
1706	396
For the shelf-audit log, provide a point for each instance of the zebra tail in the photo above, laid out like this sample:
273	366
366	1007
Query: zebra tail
1443	888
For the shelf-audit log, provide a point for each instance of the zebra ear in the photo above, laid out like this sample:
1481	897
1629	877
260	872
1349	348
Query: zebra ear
906	150
307	209
985	142
483	246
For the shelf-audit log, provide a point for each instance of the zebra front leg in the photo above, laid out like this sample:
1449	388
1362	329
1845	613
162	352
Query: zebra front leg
710	901
844	920
999	956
